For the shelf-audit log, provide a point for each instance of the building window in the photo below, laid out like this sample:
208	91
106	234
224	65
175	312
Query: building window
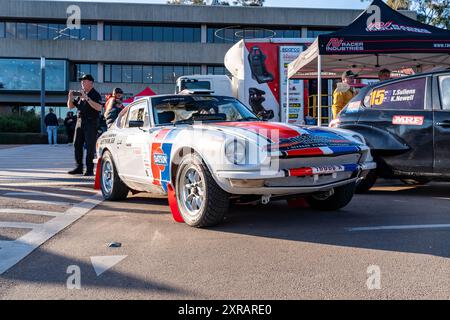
79	69
25	74
152	33
167	34
151	74
21	31
46	31
136	75
147	74
218	70
10	30
107	73
126	74
116	73
158	74
314	32
136	33
42	31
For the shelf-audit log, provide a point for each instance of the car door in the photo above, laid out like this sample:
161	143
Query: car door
134	143
441	98
403	110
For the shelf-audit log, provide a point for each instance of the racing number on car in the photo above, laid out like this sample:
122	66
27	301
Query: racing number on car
377	97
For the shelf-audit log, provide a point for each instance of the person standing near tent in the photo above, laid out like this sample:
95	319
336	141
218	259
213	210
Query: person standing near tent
117	94
113	106
343	93
384	75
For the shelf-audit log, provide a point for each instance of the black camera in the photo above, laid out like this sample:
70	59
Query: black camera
77	93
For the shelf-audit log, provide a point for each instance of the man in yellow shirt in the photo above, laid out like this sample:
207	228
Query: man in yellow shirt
343	93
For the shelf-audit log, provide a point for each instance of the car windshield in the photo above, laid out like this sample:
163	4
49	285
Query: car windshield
187	109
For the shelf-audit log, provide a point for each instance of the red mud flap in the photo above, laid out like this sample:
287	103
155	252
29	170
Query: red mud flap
173	204
97	174
297	203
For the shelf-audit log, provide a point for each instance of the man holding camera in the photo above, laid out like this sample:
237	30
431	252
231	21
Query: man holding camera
89	104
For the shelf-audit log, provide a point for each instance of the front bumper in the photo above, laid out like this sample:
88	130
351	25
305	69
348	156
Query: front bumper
291	181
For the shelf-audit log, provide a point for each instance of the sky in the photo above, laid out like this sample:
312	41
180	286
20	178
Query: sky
343	4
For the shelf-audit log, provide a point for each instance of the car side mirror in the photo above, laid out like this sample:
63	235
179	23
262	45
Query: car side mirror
135	124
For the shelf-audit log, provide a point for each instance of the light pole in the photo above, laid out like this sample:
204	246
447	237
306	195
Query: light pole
42	95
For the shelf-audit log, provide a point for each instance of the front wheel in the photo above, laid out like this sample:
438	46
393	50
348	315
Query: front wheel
112	186
201	201
337	200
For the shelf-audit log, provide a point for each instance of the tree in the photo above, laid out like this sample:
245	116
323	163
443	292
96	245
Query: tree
195	2
433	12
249	3
398	4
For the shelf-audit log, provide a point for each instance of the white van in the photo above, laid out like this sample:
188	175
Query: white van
220	84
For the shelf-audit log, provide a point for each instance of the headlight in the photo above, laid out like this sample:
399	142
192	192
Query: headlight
235	152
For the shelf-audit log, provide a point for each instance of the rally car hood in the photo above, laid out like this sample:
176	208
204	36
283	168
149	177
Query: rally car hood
292	140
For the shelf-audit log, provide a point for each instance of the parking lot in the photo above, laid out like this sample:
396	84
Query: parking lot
52	224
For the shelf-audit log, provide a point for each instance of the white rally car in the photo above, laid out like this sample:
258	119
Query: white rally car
205	151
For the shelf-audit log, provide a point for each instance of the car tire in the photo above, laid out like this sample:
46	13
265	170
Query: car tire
113	188
339	199
367	183
201	201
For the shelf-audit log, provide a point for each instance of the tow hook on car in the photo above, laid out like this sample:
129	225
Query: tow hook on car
265	199
324	195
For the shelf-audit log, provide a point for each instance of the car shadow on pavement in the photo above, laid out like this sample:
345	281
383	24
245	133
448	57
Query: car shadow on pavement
436	190
276	220
142	201
47	268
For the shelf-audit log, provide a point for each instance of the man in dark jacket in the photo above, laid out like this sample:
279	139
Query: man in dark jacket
89	104
51	122
70	122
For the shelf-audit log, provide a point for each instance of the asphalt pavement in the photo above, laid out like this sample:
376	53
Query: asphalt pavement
392	243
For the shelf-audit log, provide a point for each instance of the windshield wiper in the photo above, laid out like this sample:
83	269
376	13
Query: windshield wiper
249	119
183	121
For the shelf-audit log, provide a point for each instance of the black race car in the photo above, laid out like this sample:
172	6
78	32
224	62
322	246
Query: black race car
406	123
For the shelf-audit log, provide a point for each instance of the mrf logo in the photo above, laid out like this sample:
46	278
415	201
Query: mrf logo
408	120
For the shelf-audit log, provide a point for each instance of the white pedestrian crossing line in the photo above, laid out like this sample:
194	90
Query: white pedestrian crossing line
79	189
13	252
18	225
32	212
45	183
56	203
17	175
42	193
40	166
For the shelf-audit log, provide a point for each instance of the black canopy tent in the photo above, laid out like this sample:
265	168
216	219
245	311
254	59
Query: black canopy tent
378	38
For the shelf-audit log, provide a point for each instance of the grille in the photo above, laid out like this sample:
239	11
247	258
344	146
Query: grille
293	163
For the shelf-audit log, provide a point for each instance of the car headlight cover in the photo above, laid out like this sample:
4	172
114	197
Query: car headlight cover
235	151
